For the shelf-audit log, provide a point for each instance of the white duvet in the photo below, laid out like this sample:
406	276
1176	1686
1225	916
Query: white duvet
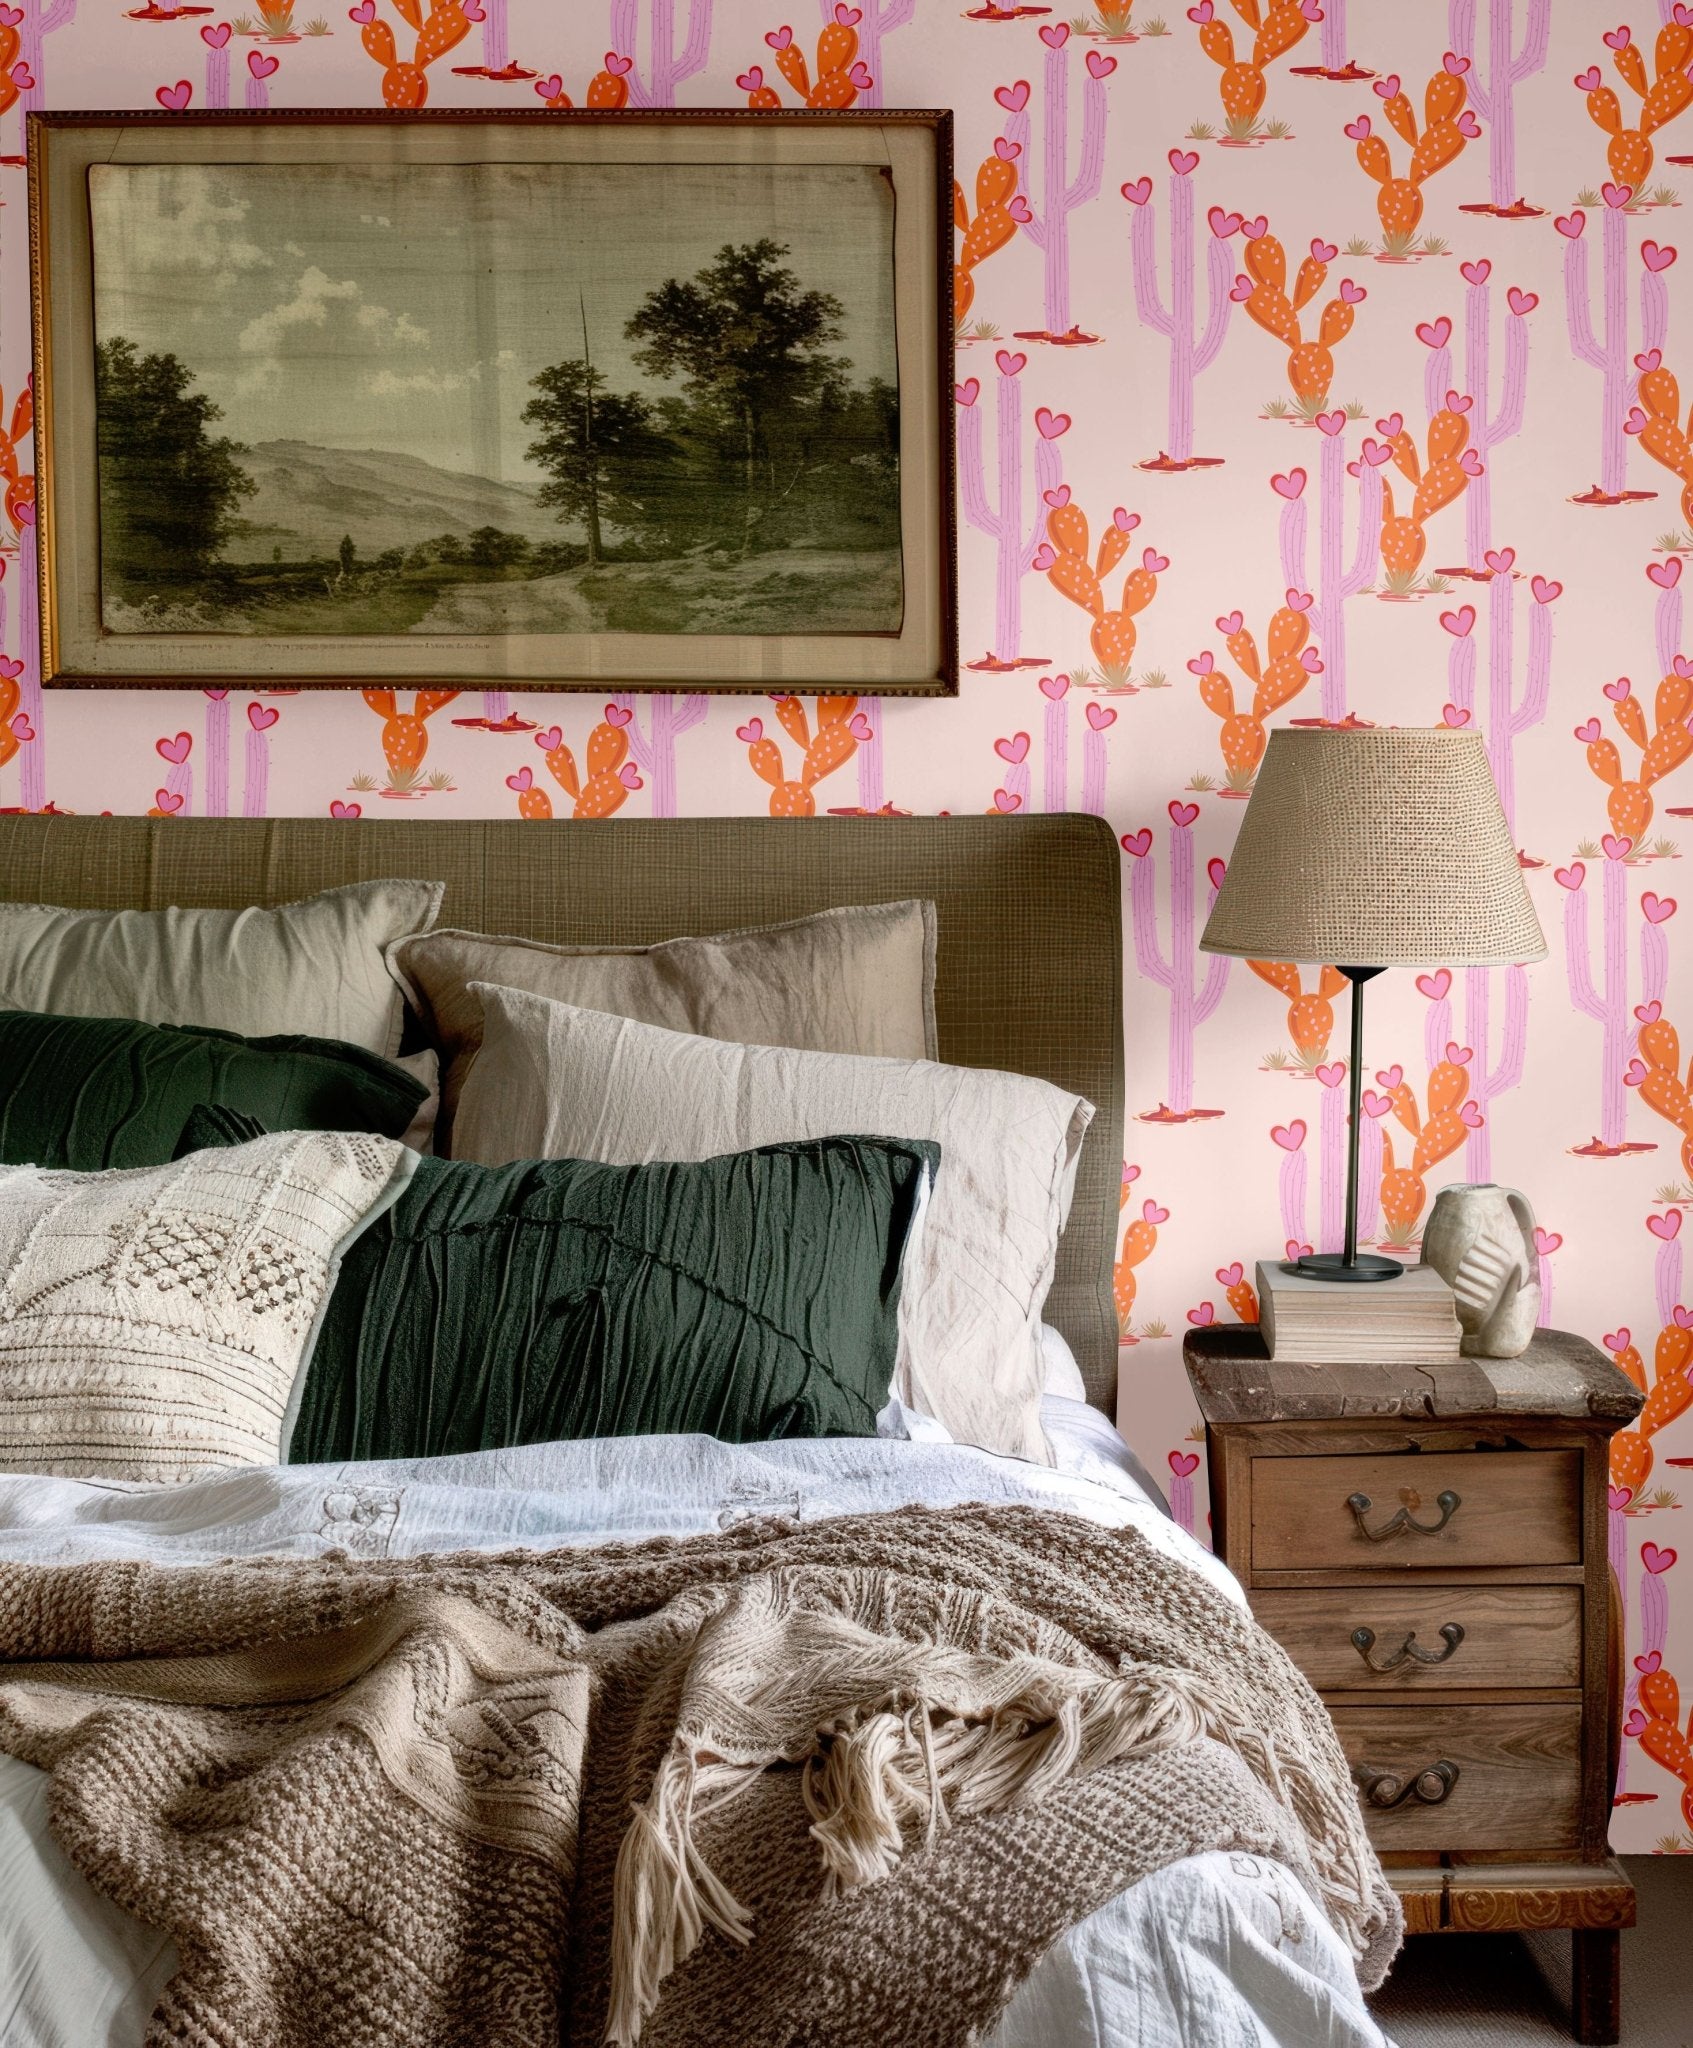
1219	1951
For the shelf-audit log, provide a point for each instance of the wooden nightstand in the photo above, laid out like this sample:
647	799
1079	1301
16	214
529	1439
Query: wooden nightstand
1429	1545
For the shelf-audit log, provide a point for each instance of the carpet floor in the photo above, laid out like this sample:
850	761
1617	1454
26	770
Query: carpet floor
1512	1991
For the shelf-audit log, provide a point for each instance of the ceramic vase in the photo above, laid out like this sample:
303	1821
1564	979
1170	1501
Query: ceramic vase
1480	1239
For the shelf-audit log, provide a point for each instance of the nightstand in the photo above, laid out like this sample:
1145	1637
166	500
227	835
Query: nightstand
1429	1546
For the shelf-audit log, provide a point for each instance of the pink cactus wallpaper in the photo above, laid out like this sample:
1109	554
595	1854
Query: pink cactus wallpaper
1317	361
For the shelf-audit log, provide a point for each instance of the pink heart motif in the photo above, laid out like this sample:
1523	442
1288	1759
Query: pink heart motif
1202	13
1616	39
173	98
1634	1074
1435	333
1139	191
1667	1227
1359	130
1451	715
1470	463
1376	1105
1138	843
1571	224
471	11
1499	561
1180	813
1435	986
1666	575
1044	558
1005	803
1650	360
1589	80
1656	909
1061	496
1323	252
1682	1318
630	776
524	779
1468	126
1230	625
1222	224
1203	664
780	38
1006	150
1101	717
1683	667
1461	623
1014	750
1049	424
1013	98
1617	1340
1289	1136
1295	1250
1648	1013
10	16
1054	687
1331	423
1256	230
860	728
1655	1560
552	737
1056	36
1298	600
1546	1242
1153	562
1648	1664
1010	362
1182	161
1457	402
748	81
215	36
1589	732
1393	1079
751	733
1571	877
1619	1497
1130	1173
1470	1116
1520	302
618	715
1616	196
848	17
1393	426
1545	590
1352	294
338	809
166	801
1615	848
1151	1213
1215	869
1240	292
1332	1073
1099	65
1184	1463
366	12
1656	256
176	751
1375	453
1124	521
1202	1318
21	729
260	65
1618	690
969	391
1476	273
261	717
1290	486
1636	1724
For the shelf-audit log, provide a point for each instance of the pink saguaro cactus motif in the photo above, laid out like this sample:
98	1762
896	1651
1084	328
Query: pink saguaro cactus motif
1012	795
1507	714
1056	719
32	753
41	19
1494	95
176	798
1608	352
1335	63
1488	430
1330	576
1014	526
1183	1465
1192	350
876	19
216	35
667	65
1099	719
261	68
261	718
1059	194
1192	1000
216	750
668	717
1607	997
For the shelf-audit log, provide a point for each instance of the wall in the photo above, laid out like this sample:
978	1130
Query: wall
1439	479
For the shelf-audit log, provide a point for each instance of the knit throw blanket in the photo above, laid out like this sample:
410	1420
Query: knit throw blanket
842	1783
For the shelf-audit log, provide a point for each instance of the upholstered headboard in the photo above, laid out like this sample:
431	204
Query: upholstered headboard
1030	971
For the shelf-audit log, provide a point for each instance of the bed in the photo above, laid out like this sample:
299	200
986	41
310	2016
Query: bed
1222	1948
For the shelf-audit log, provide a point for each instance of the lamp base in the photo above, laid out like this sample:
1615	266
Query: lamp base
1333	1266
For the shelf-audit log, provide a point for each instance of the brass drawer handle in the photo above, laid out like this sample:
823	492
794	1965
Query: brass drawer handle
1447	1502
1386	1789
1364	1641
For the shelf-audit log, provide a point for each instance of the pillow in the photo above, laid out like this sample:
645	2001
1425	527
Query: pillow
1062	1376
93	1092
853	980
314	967
152	1323
556	1081
749	1298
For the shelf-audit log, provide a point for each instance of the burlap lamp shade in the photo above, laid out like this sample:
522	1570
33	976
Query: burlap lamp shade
1365	849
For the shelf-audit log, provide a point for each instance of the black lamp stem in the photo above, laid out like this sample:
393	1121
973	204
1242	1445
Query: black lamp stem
1348	1265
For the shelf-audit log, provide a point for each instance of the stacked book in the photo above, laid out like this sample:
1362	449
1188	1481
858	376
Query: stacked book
1409	1320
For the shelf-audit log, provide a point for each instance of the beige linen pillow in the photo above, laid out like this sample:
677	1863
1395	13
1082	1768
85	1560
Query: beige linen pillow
858	979
554	1081
153	1322
314	967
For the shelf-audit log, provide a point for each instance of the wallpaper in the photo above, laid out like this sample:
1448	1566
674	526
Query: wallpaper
1318	362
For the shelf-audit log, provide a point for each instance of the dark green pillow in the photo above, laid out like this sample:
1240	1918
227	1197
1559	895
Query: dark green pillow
749	1297
97	1092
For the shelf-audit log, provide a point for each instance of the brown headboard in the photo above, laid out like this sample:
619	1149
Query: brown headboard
1031	947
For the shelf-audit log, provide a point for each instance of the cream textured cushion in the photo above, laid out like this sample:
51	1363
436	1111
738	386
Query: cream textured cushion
152	1322
314	967
859	979
558	1082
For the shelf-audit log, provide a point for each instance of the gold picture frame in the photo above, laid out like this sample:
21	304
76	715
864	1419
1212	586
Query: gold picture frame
261	289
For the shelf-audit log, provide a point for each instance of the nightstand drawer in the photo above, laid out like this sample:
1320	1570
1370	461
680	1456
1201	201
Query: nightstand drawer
1413	1637
1424	1508
1462	1779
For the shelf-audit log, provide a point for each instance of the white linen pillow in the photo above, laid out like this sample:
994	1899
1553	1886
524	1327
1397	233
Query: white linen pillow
553	1082
153	1321
314	967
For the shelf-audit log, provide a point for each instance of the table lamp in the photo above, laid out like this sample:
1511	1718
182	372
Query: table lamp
1366	848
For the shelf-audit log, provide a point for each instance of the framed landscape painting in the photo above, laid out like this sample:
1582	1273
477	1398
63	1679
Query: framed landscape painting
552	400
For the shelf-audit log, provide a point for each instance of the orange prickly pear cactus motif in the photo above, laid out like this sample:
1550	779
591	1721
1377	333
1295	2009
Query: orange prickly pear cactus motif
1656	419
607	89
1263	292
405	82
841	726
1629	802
10	697
999	213
1310	1016
9	47
1451	1116
1660	1732
1666	94
1451	464
19	483
1274	683
1669	1395
611	775
1276	26
1238	1291
404	740
1064	559
1139	1238
1447	126
1656	1071
840	78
